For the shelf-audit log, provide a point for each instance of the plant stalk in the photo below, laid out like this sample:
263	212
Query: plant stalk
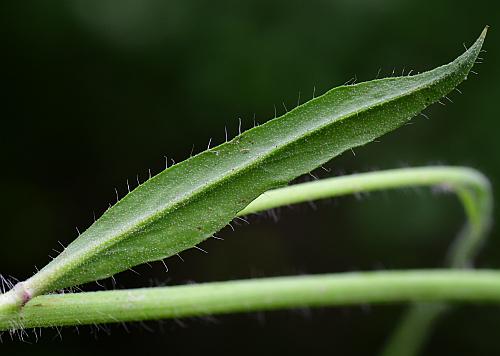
474	192
352	288
470	185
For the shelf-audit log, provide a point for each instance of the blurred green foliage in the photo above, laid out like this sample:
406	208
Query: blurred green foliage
84	79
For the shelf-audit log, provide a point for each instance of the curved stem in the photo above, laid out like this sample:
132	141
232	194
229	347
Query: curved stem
416	325
258	294
472	188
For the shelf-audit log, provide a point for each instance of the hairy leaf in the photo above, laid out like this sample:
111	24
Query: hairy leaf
188	202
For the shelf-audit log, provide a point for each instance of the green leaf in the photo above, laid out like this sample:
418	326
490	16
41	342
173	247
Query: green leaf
190	201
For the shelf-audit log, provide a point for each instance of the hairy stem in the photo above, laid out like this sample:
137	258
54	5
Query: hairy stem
417	323
474	192
471	186
258	294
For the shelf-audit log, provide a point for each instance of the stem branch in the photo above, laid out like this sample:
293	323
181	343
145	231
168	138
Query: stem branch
472	188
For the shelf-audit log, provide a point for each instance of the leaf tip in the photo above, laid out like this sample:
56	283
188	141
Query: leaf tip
485	31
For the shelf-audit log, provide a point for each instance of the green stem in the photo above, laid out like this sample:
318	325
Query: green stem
417	323
471	186
474	192
481	286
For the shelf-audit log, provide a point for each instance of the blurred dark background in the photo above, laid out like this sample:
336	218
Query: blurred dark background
95	92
